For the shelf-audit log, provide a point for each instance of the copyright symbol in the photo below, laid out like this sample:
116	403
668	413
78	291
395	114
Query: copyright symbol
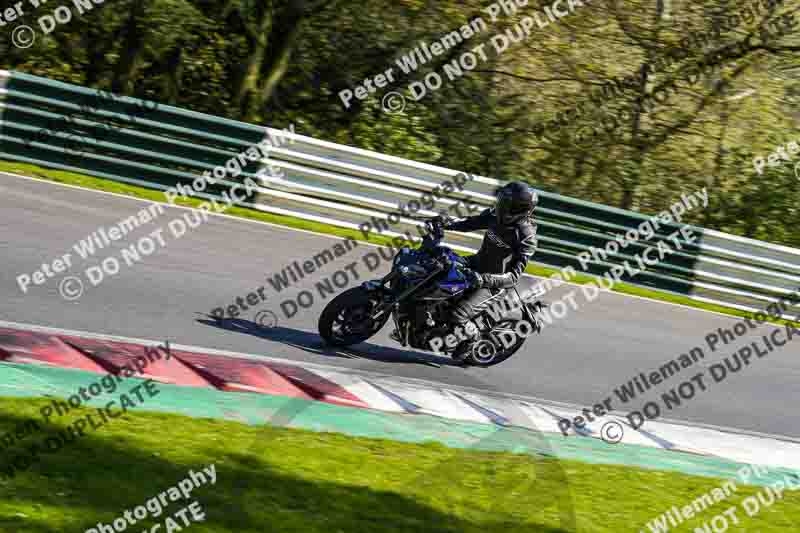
71	288
267	319
394	103
612	432
23	36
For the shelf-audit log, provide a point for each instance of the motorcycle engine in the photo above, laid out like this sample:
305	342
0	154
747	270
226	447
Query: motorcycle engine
427	322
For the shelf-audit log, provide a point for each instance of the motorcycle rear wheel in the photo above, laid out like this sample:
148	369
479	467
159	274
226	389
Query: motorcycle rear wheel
484	360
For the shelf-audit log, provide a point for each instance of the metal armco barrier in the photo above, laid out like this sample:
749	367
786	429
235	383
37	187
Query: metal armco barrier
68	127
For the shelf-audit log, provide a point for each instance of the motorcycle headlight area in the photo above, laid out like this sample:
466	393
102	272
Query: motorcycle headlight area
413	271
406	257
402	255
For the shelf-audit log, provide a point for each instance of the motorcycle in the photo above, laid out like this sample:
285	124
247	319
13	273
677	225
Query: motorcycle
419	294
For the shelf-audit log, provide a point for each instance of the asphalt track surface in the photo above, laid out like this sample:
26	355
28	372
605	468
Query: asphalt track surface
579	360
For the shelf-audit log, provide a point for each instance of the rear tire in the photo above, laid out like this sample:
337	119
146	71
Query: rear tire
473	359
347	319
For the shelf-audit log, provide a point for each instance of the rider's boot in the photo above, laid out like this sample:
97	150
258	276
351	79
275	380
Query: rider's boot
470	336
395	334
462	351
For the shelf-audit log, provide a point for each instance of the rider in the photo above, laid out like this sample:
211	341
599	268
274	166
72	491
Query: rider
508	244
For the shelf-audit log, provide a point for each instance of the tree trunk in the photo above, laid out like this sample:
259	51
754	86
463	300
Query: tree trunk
173	72
133	50
719	159
282	40
246	83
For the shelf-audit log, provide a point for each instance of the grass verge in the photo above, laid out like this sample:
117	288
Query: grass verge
289	480
100	184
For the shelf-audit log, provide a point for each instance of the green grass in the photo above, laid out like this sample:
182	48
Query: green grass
100	184
288	480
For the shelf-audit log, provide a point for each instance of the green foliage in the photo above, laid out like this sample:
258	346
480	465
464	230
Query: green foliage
285	61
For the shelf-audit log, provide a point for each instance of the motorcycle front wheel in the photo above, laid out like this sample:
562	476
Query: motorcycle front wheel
348	319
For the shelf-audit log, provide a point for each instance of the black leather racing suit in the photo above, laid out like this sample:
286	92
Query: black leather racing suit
501	260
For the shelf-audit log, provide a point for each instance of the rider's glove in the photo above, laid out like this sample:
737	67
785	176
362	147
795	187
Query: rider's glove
434	228
442	220
432	223
474	279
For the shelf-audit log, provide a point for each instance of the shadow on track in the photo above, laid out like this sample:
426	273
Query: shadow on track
312	343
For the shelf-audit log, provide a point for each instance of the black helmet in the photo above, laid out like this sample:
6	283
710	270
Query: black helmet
515	201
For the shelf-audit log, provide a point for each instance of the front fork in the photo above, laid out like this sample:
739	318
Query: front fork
391	304
380	286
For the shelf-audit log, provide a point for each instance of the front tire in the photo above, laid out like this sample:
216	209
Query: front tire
348	320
